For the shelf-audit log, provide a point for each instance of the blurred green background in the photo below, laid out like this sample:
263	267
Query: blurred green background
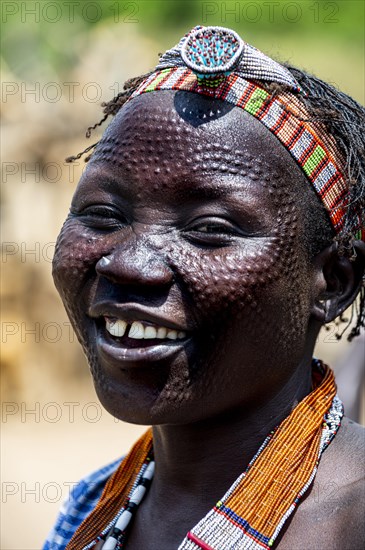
59	61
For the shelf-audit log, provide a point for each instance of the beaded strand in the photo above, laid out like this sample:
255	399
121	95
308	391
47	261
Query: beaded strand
116	538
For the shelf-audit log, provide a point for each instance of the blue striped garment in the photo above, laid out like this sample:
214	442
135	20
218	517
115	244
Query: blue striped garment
81	501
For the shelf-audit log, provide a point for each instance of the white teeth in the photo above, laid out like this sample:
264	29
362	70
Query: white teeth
150	332
116	327
136	331
139	331
161	332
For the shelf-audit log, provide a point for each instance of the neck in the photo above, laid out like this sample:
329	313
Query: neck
188	457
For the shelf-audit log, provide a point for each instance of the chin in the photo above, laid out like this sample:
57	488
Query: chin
136	403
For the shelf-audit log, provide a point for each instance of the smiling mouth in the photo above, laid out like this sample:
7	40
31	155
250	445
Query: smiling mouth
138	334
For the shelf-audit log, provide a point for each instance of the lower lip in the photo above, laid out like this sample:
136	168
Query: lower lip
122	356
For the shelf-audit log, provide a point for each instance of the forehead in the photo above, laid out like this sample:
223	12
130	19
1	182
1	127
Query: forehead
188	122
179	141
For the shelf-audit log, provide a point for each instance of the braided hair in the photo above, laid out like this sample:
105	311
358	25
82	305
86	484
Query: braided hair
344	119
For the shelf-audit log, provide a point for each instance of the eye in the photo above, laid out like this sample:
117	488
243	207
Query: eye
102	217
214	228
213	232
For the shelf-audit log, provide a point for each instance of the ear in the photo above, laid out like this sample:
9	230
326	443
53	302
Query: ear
338	280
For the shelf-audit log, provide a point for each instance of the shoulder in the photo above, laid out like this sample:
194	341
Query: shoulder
81	501
331	515
344	459
338	495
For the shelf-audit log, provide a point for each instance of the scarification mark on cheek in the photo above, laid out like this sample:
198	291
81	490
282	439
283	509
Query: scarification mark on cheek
76	255
235	285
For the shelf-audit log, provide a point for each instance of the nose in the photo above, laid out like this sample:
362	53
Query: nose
135	264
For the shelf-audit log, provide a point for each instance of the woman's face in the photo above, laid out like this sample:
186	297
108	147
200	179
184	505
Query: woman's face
181	264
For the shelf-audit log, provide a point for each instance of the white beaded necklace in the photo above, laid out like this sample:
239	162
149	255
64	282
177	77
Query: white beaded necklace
116	536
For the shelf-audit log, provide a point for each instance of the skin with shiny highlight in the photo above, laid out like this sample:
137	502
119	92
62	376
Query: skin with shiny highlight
190	214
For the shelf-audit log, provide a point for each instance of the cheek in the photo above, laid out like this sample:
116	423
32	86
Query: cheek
262	284
228	289
76	254
251	307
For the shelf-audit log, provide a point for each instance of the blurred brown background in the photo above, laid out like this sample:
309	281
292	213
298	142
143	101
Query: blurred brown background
60	60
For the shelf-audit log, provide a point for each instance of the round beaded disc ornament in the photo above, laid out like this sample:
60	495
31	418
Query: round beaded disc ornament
212	53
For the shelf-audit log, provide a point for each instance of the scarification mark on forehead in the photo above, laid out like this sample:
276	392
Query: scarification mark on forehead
214	149
163	154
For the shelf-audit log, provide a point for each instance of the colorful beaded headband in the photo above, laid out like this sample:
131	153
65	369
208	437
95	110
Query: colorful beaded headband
216	62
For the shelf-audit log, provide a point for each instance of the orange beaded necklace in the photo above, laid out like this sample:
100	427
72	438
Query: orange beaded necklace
253	511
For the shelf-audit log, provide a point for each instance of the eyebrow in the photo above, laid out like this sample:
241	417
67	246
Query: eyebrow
101	175
204	192
210	190
194	186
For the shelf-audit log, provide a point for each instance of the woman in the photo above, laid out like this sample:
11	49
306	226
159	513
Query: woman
218	225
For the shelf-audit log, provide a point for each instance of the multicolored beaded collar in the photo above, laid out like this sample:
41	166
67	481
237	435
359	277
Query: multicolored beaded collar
216	62
255	508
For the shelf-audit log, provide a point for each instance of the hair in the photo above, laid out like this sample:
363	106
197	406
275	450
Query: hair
342	118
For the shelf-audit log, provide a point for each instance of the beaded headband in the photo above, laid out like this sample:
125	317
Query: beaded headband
216	62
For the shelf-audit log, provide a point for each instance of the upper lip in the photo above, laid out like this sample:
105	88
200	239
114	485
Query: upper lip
130	313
